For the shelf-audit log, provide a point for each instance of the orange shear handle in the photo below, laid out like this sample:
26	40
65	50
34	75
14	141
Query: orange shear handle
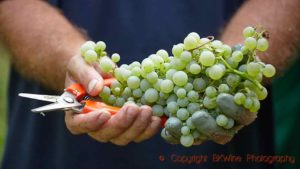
96	105
79	92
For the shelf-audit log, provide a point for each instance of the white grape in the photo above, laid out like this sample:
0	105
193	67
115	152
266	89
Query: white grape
133	82
180	78
262	44
187	140
100	46
106	65
250	43
166	86
248	31
207	58
190	42
90	56
269	70
151	95
115	57
222	120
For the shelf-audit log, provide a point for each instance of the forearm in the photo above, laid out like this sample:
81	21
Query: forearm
40	39
282	20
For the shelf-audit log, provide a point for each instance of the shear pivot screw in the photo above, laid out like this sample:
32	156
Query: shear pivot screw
68	99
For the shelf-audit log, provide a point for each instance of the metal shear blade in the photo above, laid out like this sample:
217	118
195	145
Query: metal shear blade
55	106
64	102
48	98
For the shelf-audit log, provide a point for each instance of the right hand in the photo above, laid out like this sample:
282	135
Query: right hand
131	123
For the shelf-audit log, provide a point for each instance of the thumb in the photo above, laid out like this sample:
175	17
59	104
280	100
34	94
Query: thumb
85	74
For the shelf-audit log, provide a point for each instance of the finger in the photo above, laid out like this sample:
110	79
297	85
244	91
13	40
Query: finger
198	142
69	80
139	125
85	75
84	123
118	124
206	124
150	131
227	105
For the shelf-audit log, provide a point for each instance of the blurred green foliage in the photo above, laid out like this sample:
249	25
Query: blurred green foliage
4	74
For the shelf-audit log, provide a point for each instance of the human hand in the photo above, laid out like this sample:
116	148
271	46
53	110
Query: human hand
131	123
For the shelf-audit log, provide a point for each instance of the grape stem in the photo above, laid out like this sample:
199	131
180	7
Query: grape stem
210	38
249	57
242	74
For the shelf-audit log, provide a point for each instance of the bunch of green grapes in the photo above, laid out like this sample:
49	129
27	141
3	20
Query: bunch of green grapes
203	76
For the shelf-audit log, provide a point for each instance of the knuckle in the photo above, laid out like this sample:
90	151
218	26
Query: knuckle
142	138
98	137
88	126
101	140
146	107
139	127
71	63
71	127
120	142
122	126
73	130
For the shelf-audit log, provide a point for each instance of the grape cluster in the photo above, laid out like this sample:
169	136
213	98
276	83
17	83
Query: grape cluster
204	79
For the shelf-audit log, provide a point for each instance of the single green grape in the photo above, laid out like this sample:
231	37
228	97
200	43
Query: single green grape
151	95
239	98
237	56
262	44
106	65
187	140
250	43
157	110
181	93
180	78
133	82
166	86
269	70
207	58
211	91
100	46
190	42
222	120
195	68
248	32
177	50
185	130
182	114
115	57
90	56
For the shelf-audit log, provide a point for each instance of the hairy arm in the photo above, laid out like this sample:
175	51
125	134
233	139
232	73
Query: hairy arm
45	48
40	39
281	18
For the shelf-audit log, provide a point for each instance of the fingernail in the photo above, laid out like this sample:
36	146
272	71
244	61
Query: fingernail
92	85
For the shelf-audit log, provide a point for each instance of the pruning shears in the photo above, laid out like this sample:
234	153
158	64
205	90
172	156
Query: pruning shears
74	98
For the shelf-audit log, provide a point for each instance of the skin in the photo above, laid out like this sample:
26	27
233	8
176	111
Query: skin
48	55
282	20
37	46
